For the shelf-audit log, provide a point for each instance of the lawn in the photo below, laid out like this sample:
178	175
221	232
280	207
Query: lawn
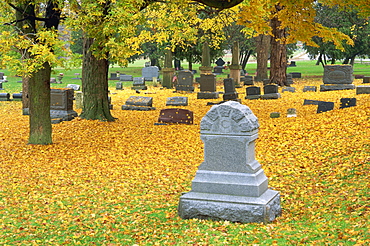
119	183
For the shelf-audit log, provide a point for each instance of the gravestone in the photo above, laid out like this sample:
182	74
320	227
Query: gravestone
119	86
2	75
296	75
149	72
207	87
176	115
138	103
324	107
230	93
4	97
288	89
114	76
177	64
139	84
347	102
78	99
220	62
61	105
275	115
253	92
292	64
177	101
73	86
289	79
247	80
230	184
266	81
185	81
310	88
125	77
17	96
291	112
362	89
218	70
1	86
337	77
270	92
311	102
366	79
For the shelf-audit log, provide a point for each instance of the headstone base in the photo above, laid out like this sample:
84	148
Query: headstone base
207	95
271	96
337	87
141	87
264	208
63	115
137	108
184	88
253	97
363	89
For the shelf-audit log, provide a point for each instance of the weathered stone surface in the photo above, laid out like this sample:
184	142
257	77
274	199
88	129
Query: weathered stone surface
136	108
269	89
347	102
288	89
324	107
140	101
61	105
337	87
366	79
208	82
176	115
185	80
363	89
338	74
230	183
207	95
125	77
311	102
119	86
271	96
17	96
4	97
149	72
177	101
310	88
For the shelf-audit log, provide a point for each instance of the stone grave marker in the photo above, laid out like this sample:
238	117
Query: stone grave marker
61	105
2	75
270	92
337	77
248	80
362	89
275	115
266	81
289	79
185	81
177	101
253	92
149	72
311	102
291	112
139	84
218	70
1	86
114	76
176	115
125	77
78	99
207	87
309	88
296	75
324	107
139	103
230	184
288	89
230	93
17	96
292	64
347	102
73	86
119	86
366	79
4	97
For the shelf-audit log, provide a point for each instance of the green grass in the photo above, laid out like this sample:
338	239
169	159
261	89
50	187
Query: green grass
307	68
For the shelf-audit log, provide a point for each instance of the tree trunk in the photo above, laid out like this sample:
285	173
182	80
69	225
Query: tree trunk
39	95
95	86
278	53
262	50
244	58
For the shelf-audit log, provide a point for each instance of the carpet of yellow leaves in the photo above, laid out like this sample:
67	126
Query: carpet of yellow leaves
118	183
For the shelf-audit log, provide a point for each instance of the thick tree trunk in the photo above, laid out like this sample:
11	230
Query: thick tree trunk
95	86
39	95
278	53
262	49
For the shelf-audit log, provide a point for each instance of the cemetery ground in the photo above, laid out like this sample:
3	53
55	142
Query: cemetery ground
119	183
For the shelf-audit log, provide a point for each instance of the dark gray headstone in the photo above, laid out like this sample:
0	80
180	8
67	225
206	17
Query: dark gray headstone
311	102
289	79
61	105
324	107
296	75
1	75
268	89
337	87
288	89
185	81
247	80
1	86
366	79
207	95
362	89
208	82
4	97
347	102
177	101
310	88
114	76
230	93
177	64
17	96
292	64
119	86
253	92
220	62
149	72
218	70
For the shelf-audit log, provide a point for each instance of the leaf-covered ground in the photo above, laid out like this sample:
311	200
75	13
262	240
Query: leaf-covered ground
119	183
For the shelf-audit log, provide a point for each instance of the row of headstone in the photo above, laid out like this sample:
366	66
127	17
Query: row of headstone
270	92
6	97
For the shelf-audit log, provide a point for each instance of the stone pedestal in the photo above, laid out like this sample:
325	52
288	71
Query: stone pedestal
235	74
205	70
230	183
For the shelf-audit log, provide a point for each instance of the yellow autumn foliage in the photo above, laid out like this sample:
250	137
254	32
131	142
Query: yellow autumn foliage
118	183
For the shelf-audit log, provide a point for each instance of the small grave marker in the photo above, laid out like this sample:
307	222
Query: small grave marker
275	115
291	112
176	115
324	107
310	88
125	77
139	84
366	79
253	92
4	97
362	89
347	102
288	89
138	103
177	101
119	86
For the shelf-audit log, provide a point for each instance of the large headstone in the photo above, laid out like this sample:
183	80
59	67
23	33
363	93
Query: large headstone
337	77
230	184
61	105
185	81
149	72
